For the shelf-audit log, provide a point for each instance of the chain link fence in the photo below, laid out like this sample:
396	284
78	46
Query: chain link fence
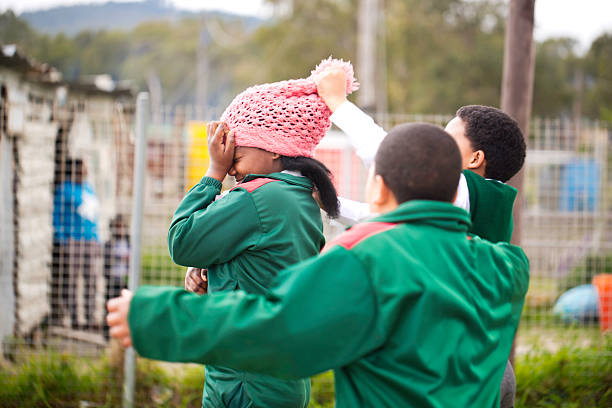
66	183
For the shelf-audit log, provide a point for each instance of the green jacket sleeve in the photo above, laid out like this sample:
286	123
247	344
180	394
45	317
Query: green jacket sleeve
320	314
519	283
205	232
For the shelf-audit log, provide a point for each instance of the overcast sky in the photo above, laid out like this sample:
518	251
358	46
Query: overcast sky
583	20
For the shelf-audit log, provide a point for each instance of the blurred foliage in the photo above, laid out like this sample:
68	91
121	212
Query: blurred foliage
158	268
64	380
438	55
598	69
322	394
570	377
555	71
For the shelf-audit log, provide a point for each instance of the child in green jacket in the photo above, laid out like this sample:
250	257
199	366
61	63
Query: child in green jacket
492	150
409	310
267	223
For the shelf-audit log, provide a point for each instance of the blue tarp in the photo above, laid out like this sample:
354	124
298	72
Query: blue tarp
580	186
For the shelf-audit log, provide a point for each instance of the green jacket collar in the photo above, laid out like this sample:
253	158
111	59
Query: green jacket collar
287	178
445	215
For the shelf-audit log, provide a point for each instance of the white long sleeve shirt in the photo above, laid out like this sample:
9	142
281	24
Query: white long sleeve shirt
365	136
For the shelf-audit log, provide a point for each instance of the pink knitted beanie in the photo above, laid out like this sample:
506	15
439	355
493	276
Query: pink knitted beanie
287	117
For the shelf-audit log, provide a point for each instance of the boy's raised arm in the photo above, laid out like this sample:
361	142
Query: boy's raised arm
364	134
352	212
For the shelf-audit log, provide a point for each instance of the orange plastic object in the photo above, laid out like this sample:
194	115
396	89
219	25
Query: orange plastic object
603	282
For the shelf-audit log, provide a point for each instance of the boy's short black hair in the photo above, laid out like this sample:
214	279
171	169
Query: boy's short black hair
498	136
419	161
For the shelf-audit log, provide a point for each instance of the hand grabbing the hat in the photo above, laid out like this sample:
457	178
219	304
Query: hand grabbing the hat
221	150
331	87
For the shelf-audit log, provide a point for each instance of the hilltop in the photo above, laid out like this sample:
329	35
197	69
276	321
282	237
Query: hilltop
113	15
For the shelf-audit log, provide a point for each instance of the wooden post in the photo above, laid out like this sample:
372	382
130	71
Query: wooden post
366	53
517	88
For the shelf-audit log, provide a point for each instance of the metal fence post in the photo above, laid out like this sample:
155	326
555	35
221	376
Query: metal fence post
142	117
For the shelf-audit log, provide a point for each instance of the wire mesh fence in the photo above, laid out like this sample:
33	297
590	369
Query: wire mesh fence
66	183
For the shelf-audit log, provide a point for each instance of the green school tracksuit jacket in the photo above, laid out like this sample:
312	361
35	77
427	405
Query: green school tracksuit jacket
245	238
491	204
409	310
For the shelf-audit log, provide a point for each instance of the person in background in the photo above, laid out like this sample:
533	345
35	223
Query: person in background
116	260
76	245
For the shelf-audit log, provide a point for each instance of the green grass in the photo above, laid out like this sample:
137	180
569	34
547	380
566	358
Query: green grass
322	390
55	380
62	380
570	377
158	268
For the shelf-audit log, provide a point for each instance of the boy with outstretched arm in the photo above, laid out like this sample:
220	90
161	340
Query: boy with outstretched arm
409	309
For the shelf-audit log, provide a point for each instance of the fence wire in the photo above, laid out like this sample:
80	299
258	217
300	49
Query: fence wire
65	210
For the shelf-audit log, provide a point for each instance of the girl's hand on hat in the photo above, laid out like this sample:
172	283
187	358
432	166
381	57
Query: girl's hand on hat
221	150
196	280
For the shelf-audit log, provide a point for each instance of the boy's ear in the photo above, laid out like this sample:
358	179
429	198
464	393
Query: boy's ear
276	156
477	160
382	194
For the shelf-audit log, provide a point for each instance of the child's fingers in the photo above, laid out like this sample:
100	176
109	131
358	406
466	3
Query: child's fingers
113	319
219	132
229	143
195	284
211	127
126	342
118	331
190	284
113	304
215	134
121	333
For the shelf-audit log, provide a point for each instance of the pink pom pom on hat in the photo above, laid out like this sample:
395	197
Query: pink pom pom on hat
287	117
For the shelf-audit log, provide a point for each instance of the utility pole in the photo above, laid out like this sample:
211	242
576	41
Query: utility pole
381	88
366	53
517	88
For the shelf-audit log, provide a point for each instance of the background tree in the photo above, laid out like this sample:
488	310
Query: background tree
439	54
598	70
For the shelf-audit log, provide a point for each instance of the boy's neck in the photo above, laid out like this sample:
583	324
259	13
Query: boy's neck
478	170
383	208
